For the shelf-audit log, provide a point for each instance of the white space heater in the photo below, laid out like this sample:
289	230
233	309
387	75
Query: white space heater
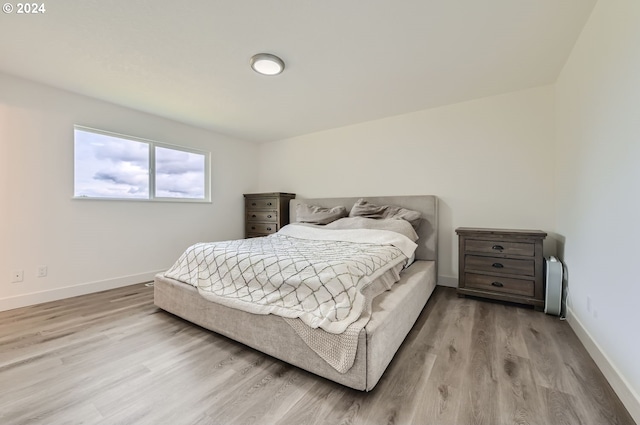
553	296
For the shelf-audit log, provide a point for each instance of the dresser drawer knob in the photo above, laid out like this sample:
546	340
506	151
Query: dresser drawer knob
253	204
269	216
253	227
497	247
253	216
497	265
269	228
498	284
269	204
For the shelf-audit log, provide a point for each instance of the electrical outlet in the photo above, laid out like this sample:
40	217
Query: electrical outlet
17	276
41	271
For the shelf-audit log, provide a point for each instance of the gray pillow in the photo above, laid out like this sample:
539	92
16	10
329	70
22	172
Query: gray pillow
315	214
363	208
399	226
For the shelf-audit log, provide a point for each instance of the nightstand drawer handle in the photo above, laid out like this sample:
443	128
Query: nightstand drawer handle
497	247
497	265
253	227
498	284
269	216
269	204
253	204
253	216
269	228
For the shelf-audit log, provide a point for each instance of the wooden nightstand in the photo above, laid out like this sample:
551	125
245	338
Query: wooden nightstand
502	264
266	213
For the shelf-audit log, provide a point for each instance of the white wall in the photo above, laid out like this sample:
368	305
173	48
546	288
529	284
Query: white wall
90	245
489	160
598	189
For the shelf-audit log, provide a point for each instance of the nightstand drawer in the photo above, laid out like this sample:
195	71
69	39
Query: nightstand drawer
499	265
263	216
261	203
498	247
499	284
265	228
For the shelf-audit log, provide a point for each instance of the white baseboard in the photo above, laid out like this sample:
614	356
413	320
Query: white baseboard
33	298
617	381
451	282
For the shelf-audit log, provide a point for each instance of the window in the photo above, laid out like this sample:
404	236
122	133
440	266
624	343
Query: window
112	166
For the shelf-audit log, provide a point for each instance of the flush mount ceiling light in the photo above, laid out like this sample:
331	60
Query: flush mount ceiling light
266	64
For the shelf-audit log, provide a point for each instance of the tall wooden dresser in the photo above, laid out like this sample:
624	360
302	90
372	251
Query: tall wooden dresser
266	213
502	264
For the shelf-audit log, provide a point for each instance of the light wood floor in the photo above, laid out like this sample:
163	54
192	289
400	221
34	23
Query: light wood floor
114	358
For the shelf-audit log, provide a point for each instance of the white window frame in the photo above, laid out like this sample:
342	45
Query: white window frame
152	172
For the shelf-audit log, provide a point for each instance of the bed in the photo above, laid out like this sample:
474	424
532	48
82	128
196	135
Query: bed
392	313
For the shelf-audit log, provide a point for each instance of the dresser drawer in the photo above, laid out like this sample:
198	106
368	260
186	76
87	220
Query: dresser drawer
261	204
262	216
499	247
500	284
499	265
264	228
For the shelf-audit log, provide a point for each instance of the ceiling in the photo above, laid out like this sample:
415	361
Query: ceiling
347	61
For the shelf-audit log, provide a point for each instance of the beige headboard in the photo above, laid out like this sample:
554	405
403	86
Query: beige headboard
426	204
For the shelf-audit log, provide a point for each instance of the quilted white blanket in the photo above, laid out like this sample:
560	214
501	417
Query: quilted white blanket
316	275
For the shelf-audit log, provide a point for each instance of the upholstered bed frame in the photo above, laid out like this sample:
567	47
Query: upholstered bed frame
393	313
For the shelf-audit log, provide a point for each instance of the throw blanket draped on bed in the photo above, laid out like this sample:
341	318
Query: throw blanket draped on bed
315	275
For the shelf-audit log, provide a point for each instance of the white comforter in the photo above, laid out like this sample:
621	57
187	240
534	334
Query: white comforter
316	275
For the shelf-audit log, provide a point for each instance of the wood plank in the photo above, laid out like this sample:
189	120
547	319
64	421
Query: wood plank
440	394
478	404
519	399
